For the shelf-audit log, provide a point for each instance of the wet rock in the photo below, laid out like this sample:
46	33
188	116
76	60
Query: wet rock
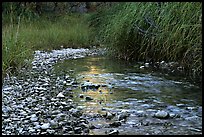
81	95
161	115
88	98
88	85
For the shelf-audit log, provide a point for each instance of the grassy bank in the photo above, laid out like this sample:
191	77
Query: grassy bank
15	52
152	32
21	37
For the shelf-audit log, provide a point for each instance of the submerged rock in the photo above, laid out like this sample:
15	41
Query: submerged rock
88	98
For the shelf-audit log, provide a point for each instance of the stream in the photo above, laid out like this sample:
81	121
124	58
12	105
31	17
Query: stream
100	95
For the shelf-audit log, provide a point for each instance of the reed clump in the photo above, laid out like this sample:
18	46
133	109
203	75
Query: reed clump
151	31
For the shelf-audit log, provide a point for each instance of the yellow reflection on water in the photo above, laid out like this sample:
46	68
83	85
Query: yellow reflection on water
101	95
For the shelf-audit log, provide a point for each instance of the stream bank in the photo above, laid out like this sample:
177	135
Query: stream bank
77	91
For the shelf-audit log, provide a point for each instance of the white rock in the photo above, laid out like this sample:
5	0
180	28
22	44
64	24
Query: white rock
60	95
141	67
162	62
45	126
161	114
147	65
114	132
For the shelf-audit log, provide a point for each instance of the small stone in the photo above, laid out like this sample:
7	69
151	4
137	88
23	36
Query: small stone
81	95
35	123
88	98
53	123
60	95
124	115
84	125
192	118
50	131
162	114
75	112
37	127
180	105
113	132
45	126
115	124
109	115
31	130
141	67
77	130
33	119
146	65
63	103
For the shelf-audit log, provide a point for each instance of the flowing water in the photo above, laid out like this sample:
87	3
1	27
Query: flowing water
123	86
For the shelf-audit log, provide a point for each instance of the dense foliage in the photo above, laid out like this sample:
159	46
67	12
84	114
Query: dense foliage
169	31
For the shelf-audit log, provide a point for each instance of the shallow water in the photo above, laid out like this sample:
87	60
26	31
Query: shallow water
127	80
124	86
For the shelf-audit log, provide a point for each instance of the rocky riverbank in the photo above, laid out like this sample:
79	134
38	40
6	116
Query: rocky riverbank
32	105
39	101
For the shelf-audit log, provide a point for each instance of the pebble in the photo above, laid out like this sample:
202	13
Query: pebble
33	119
113	132
45	126
50	131
123	115
77	130
115	124
81	95
109	115
162	114
60	95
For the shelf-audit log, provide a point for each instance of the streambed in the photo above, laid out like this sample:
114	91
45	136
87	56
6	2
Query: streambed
79	91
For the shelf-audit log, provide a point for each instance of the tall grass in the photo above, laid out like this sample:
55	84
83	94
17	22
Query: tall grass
146	31
47	32
66	31
15	52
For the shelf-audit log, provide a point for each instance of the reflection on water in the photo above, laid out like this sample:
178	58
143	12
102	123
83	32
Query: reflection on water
122	80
